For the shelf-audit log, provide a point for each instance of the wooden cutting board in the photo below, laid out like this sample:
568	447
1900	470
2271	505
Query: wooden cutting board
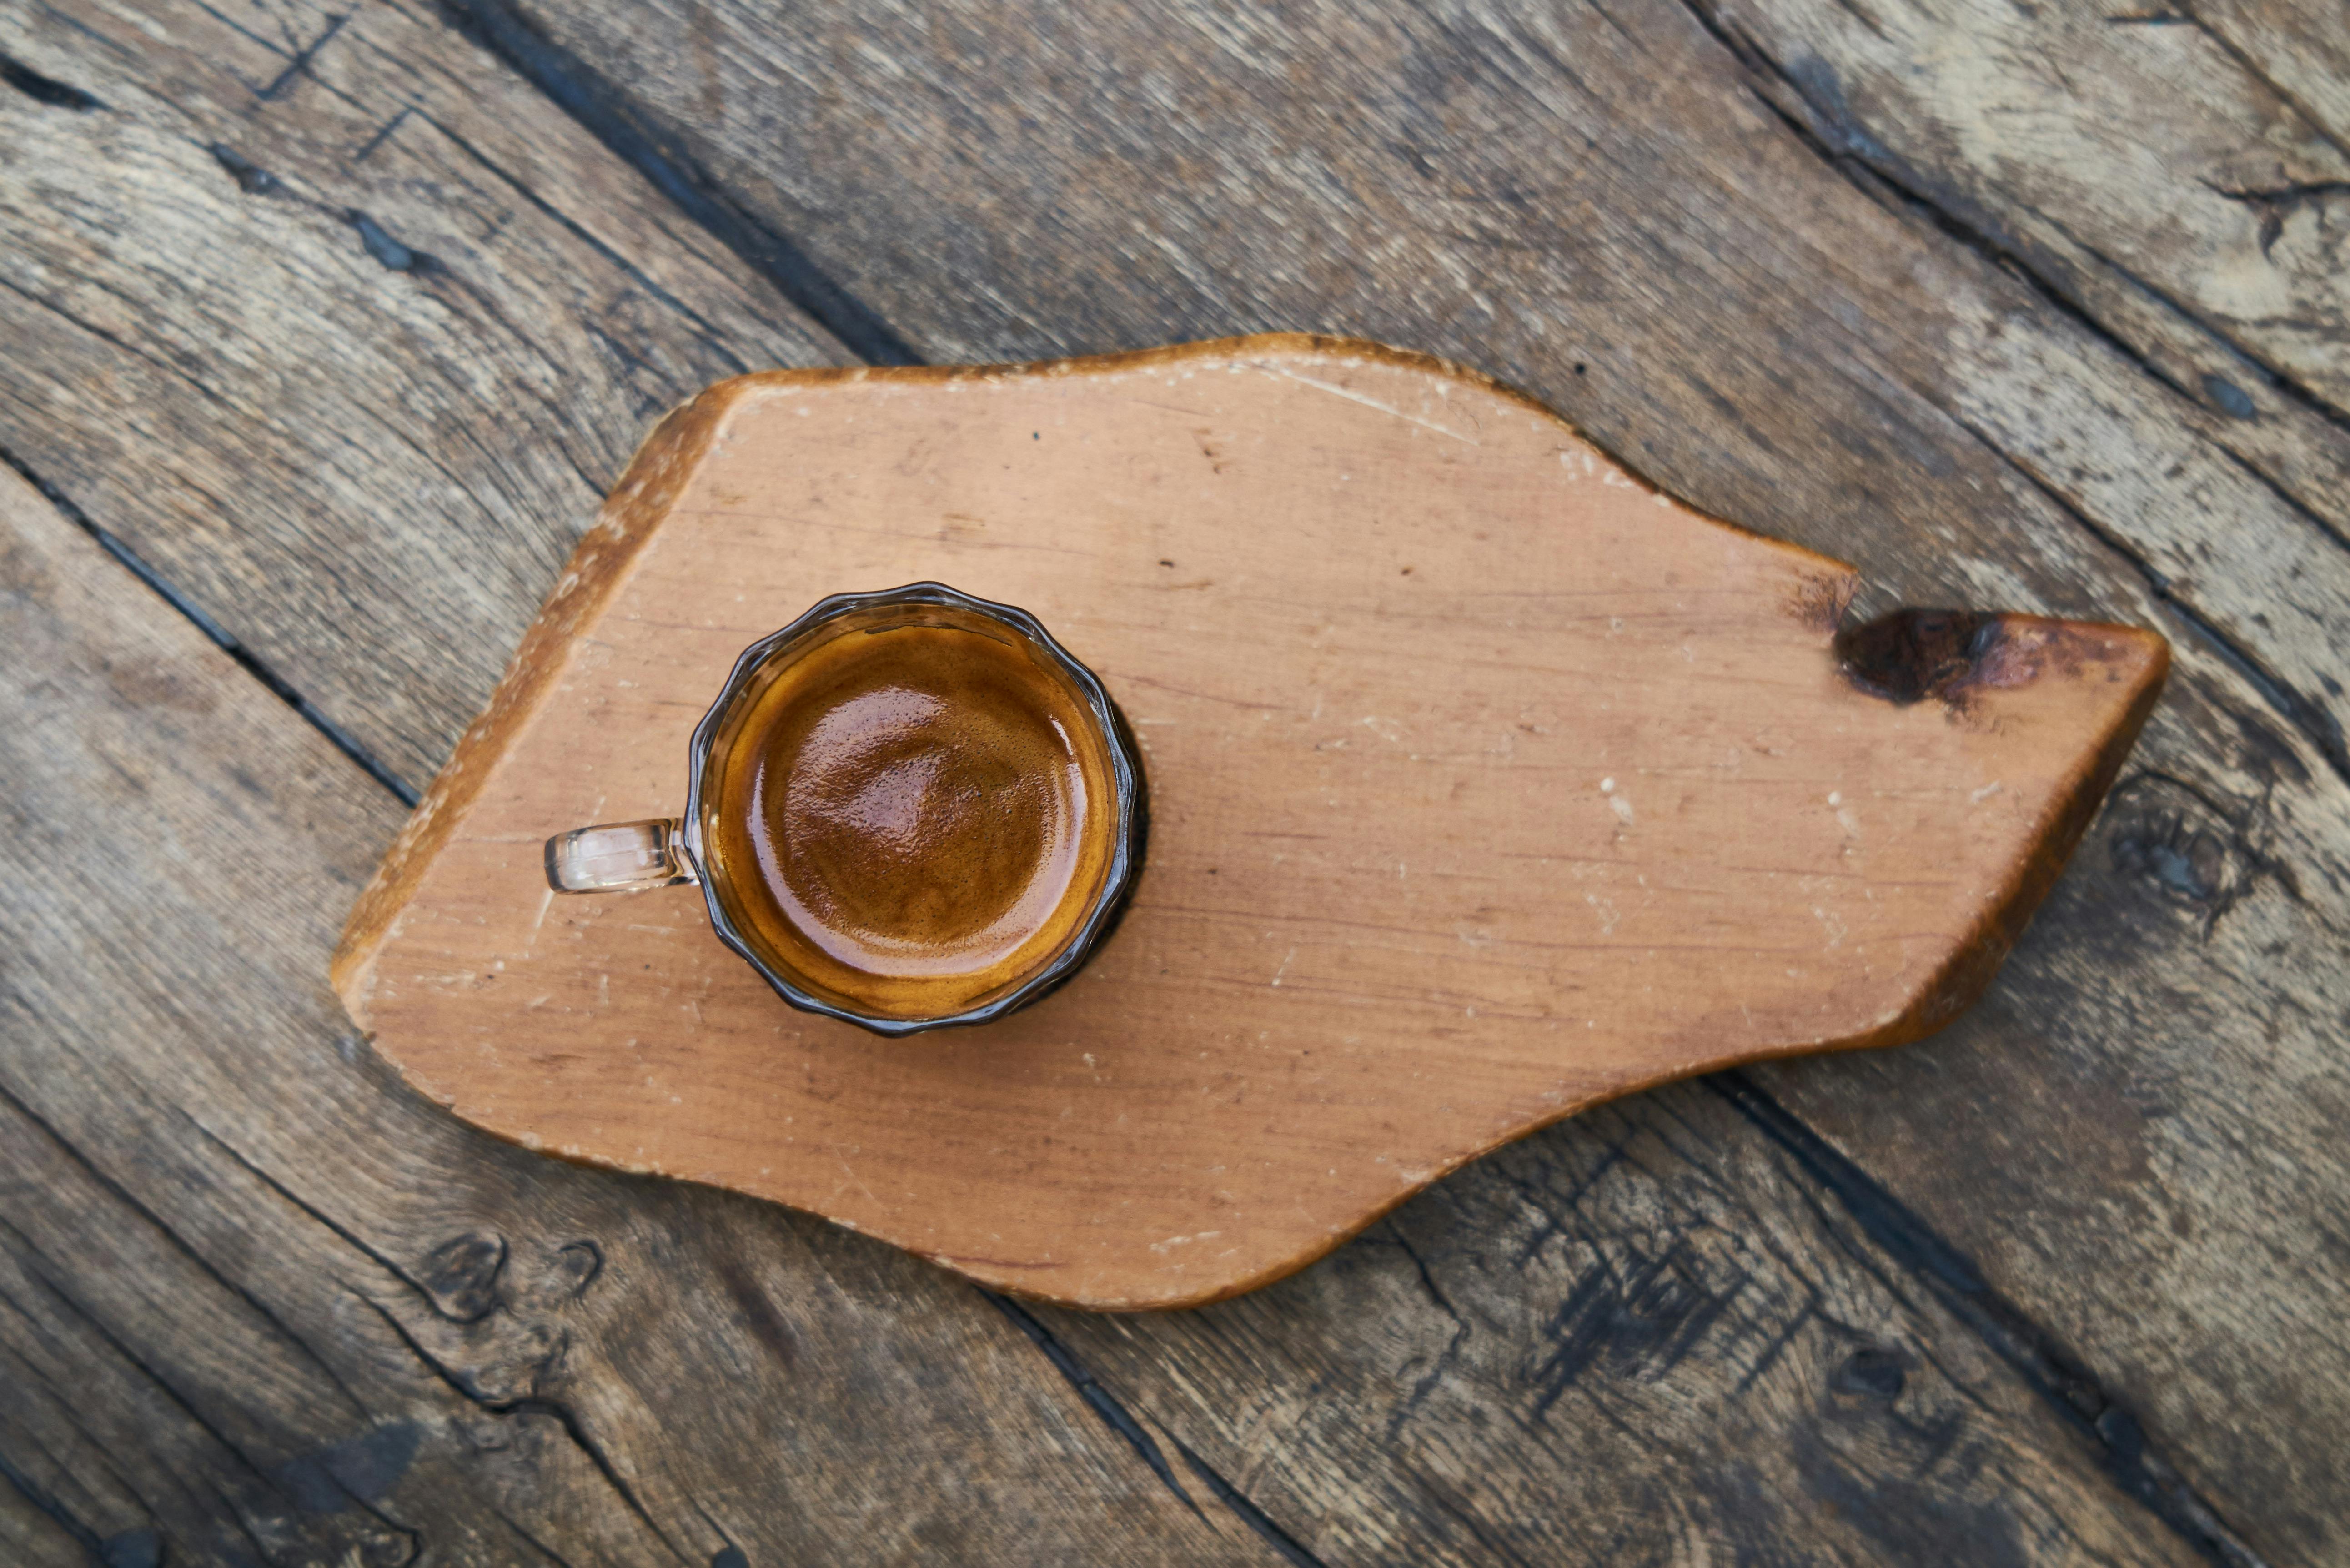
1486	783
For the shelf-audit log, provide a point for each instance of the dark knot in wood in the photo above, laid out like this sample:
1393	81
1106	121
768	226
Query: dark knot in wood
1909	655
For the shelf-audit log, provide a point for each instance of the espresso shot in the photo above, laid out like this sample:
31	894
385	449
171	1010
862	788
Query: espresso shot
912	811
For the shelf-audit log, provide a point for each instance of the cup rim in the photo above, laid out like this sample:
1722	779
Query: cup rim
1125	767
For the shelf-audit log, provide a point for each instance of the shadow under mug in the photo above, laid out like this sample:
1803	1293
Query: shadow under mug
906	810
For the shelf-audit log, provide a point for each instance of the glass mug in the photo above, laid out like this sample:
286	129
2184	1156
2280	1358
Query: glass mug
906	810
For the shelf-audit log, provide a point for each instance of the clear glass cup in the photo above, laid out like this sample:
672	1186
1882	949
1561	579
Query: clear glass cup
906	810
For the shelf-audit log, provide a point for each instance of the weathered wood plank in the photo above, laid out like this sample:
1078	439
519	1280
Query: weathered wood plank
2031	126
328	284
1603	207
1755	335
2039	133
258	1299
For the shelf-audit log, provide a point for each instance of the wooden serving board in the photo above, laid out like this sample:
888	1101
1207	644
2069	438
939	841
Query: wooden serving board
1486	783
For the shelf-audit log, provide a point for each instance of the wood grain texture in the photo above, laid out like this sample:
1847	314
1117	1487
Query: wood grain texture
259	1300
31	1536
1465	748
1504	186
328	283
1613	209
2019	128
1617	1279
2133	1136
2033	124
2299	47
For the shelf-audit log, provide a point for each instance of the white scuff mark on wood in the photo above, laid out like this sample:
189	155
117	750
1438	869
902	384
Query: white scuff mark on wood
1370	402
1162	1248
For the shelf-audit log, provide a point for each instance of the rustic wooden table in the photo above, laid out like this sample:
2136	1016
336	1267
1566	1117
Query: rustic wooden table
327	324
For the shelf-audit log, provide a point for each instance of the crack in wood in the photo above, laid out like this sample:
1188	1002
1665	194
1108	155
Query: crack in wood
389	253
300	64
367	149
1426	1382
218	635
707	329
1250	1514
530	1405
2275	204
46	89
250	177
1103	1403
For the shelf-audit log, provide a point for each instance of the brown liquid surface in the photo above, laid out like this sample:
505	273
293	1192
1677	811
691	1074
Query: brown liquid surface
912	820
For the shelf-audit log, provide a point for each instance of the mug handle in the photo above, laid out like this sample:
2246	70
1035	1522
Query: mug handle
620	858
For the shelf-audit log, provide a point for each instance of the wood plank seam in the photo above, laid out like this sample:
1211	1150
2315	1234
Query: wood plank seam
2185	10
1114	1415
277	1478
47	1503
606	113
156	582
1830	128
46	89
1121	1420
1255	1518
130	1200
